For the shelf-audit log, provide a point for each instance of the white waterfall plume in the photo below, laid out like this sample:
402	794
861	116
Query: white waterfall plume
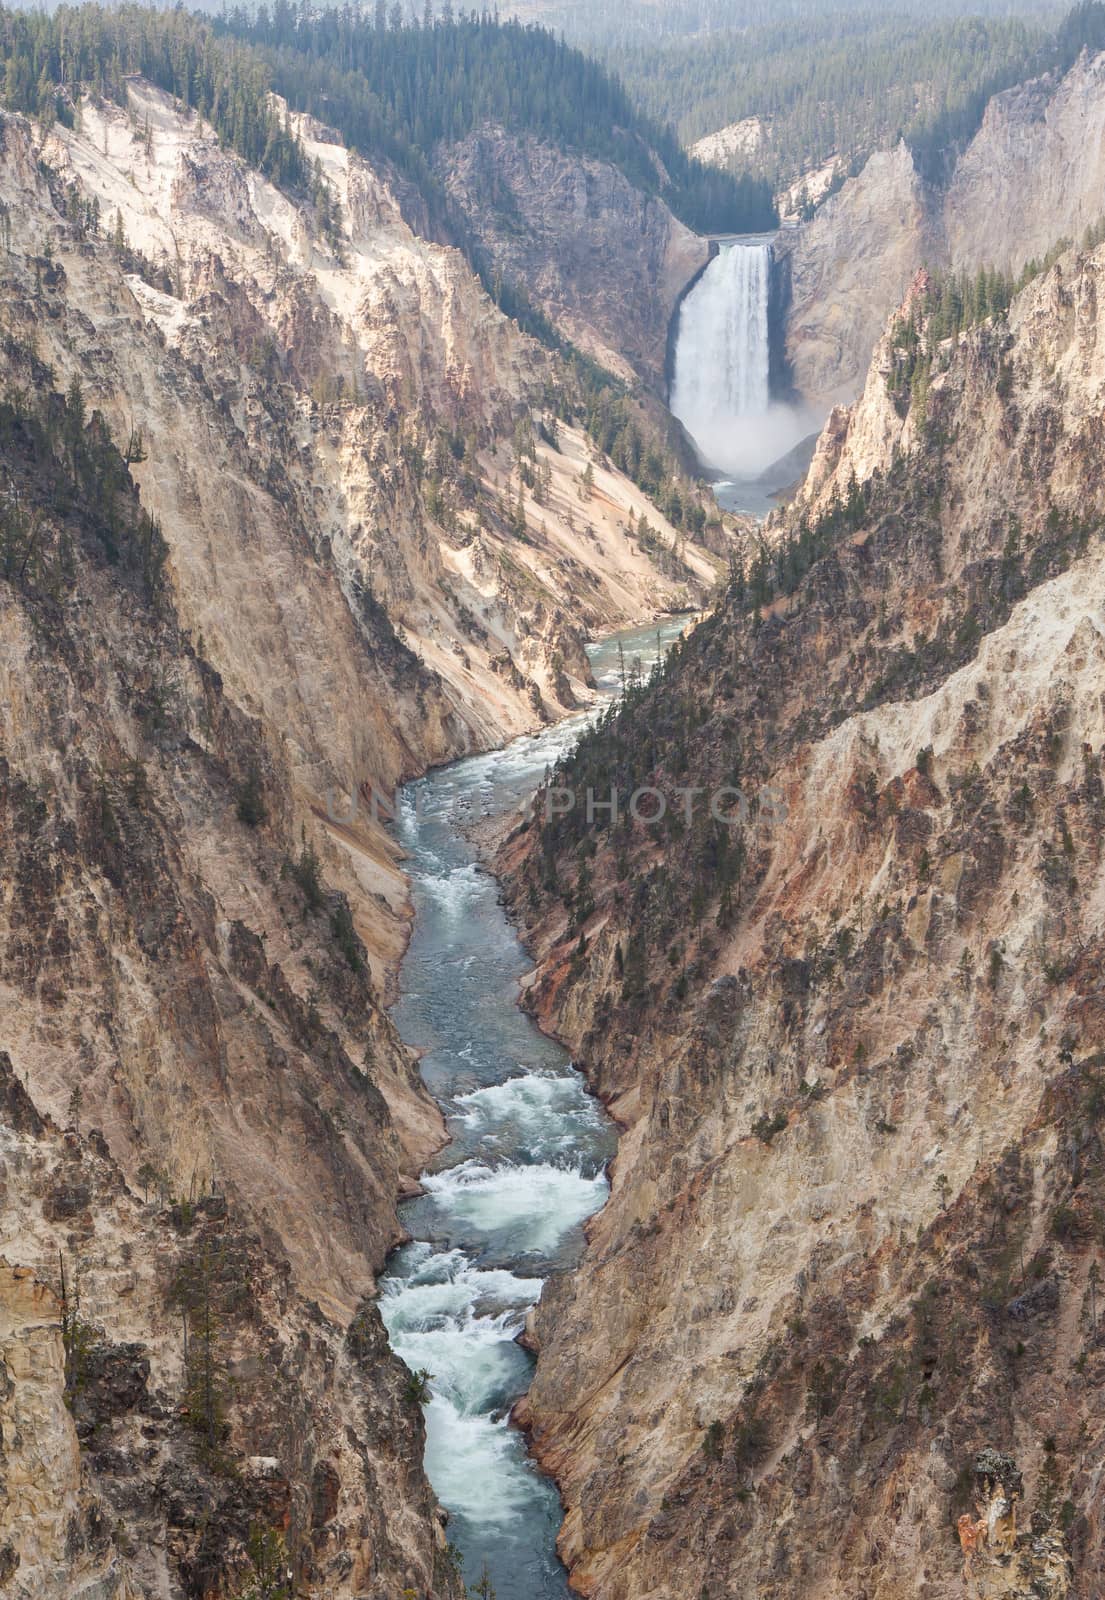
721	379
721	357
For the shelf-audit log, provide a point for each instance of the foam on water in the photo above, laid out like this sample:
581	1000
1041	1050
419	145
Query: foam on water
525	1170
527	1209
444	1283
453	891
478	1466
460	1323
544	1112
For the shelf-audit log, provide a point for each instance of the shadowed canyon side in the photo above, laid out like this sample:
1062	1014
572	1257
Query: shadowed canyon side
289	512
855	1042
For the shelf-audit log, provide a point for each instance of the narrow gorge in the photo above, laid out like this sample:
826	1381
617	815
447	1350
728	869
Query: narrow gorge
552	769
505	1204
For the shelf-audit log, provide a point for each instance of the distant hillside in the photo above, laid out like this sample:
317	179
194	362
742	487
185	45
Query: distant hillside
826	80
828	86
400	90
638	20
395	92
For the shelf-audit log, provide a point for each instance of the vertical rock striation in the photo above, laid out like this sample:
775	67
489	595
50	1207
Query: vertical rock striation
855	1042
283	520
1030	177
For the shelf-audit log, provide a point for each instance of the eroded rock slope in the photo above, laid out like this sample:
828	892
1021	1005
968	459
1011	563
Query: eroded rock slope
604	261
1031	176
856	1041
285	516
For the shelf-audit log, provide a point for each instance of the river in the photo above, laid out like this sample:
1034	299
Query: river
504	1205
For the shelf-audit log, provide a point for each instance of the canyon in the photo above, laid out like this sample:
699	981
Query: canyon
288	518
292	514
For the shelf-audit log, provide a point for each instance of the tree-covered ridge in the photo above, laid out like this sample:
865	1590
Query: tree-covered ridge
948	304
839	87
637	21
393	90
89	47
400	89
841	82
47	62
937	139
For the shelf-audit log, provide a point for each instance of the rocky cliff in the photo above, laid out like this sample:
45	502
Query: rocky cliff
1034	173
205	1114
853	1034
285	516
605	262
1031	176
374	390
845	270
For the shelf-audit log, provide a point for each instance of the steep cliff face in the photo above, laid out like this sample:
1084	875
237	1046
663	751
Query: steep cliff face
182	1422
357	391
855	1040
847	268
605	262
186	997
284	517
1031	176
1034	173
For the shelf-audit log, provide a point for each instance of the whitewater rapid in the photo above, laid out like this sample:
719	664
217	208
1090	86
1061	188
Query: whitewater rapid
505	1204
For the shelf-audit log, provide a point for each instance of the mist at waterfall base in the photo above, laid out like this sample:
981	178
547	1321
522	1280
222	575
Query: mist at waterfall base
505	1203
721	381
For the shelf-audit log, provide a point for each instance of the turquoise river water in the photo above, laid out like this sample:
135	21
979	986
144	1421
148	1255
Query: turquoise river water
504	1205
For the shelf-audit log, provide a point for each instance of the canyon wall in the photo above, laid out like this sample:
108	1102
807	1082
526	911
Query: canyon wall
374	390
844	271
855	1038
1031	176
285	518
205	1113
605	262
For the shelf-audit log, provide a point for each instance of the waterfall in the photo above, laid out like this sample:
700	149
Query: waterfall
720	383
